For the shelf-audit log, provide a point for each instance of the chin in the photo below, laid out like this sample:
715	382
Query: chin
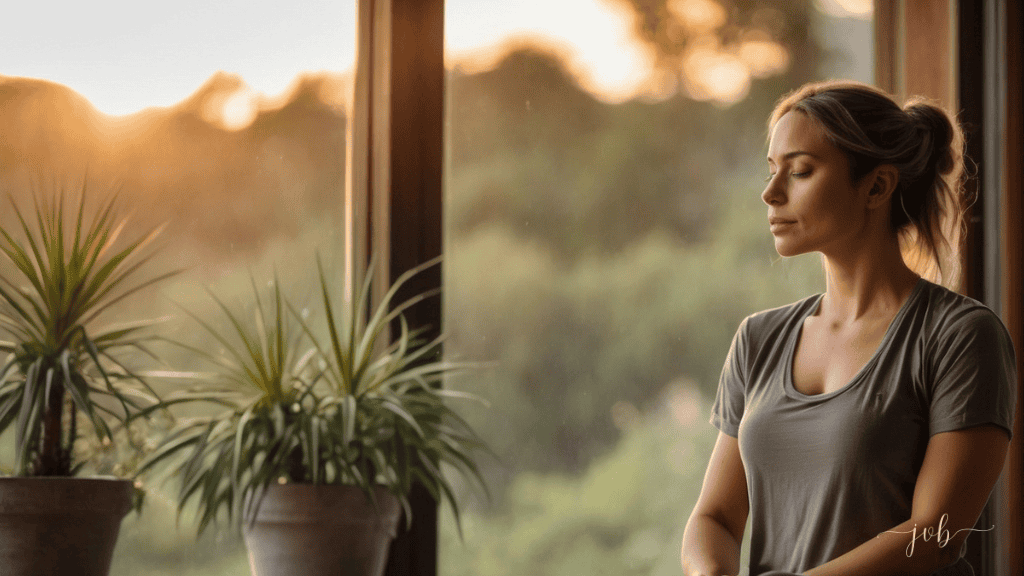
788	249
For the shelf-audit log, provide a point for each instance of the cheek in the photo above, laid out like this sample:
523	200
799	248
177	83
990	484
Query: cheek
831	205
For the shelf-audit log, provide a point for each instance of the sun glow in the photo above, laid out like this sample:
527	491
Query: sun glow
861	9
763	57
701	15
239	110
712	74
599	47
233	105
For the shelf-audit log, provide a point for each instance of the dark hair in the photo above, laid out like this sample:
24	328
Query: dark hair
922	140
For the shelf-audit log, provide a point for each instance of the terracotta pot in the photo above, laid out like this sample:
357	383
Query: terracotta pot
307	530
60	526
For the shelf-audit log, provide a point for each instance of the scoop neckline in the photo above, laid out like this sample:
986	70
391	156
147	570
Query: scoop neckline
865	369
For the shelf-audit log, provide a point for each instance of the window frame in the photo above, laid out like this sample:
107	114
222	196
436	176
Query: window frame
394	215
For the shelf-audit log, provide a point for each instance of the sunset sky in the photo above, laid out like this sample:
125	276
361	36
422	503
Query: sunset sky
125	55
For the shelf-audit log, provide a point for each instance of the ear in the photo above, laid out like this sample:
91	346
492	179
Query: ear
883	180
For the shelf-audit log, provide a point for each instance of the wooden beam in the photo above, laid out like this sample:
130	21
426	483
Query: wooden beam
928	66
1012	288
397	190
915	49
358	157
415	214
886	24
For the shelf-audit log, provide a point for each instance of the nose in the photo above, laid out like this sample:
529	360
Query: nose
774	194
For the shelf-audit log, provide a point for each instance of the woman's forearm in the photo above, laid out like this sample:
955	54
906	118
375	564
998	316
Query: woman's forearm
709	549
909	548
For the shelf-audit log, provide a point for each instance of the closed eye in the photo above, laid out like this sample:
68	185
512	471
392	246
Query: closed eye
793	174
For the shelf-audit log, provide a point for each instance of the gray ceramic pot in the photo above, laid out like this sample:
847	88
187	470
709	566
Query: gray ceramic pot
307	530
60	526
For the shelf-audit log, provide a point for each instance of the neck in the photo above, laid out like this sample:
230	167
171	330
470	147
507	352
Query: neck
870	281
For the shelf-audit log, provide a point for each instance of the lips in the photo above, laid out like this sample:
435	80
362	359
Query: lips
777	225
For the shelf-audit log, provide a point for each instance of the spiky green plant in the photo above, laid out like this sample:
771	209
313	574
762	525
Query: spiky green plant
396	425
342	409
59	364
261	377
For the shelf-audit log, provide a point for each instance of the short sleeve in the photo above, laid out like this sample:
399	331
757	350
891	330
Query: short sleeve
727	409
974	376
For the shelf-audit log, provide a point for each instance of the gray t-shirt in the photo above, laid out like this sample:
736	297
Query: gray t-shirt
828	472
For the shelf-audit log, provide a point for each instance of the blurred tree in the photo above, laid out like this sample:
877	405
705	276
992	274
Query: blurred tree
599	252
746	32
621	516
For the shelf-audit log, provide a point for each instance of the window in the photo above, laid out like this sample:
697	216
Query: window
616	263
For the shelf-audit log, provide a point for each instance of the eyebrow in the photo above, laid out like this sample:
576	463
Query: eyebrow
789	155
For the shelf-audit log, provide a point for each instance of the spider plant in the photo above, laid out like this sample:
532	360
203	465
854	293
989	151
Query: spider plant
58	364
351	411
386	399
261	377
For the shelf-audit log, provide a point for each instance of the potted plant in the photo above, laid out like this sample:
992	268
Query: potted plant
62	374
316	465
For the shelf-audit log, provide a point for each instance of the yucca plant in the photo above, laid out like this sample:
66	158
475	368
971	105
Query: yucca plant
341	408
59	365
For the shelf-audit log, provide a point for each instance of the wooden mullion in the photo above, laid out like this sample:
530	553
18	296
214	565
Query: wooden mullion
1012	288
413	211
982	551
886	22
394	193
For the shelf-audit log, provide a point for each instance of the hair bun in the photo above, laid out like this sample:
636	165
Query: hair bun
936	123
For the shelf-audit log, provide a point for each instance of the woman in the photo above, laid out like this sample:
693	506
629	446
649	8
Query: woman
863	429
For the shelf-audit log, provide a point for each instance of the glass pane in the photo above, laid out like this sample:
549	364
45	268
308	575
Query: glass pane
604	238
226	121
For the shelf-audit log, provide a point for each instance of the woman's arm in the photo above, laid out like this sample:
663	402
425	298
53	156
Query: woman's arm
711	541
957	475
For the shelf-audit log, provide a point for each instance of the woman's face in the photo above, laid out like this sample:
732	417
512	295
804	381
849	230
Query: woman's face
813	206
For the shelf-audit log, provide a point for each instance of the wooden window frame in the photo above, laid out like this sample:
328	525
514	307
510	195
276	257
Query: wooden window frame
394	191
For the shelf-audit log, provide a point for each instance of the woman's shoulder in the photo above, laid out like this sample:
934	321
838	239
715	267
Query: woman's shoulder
949	310
947	316
762	330
781	316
